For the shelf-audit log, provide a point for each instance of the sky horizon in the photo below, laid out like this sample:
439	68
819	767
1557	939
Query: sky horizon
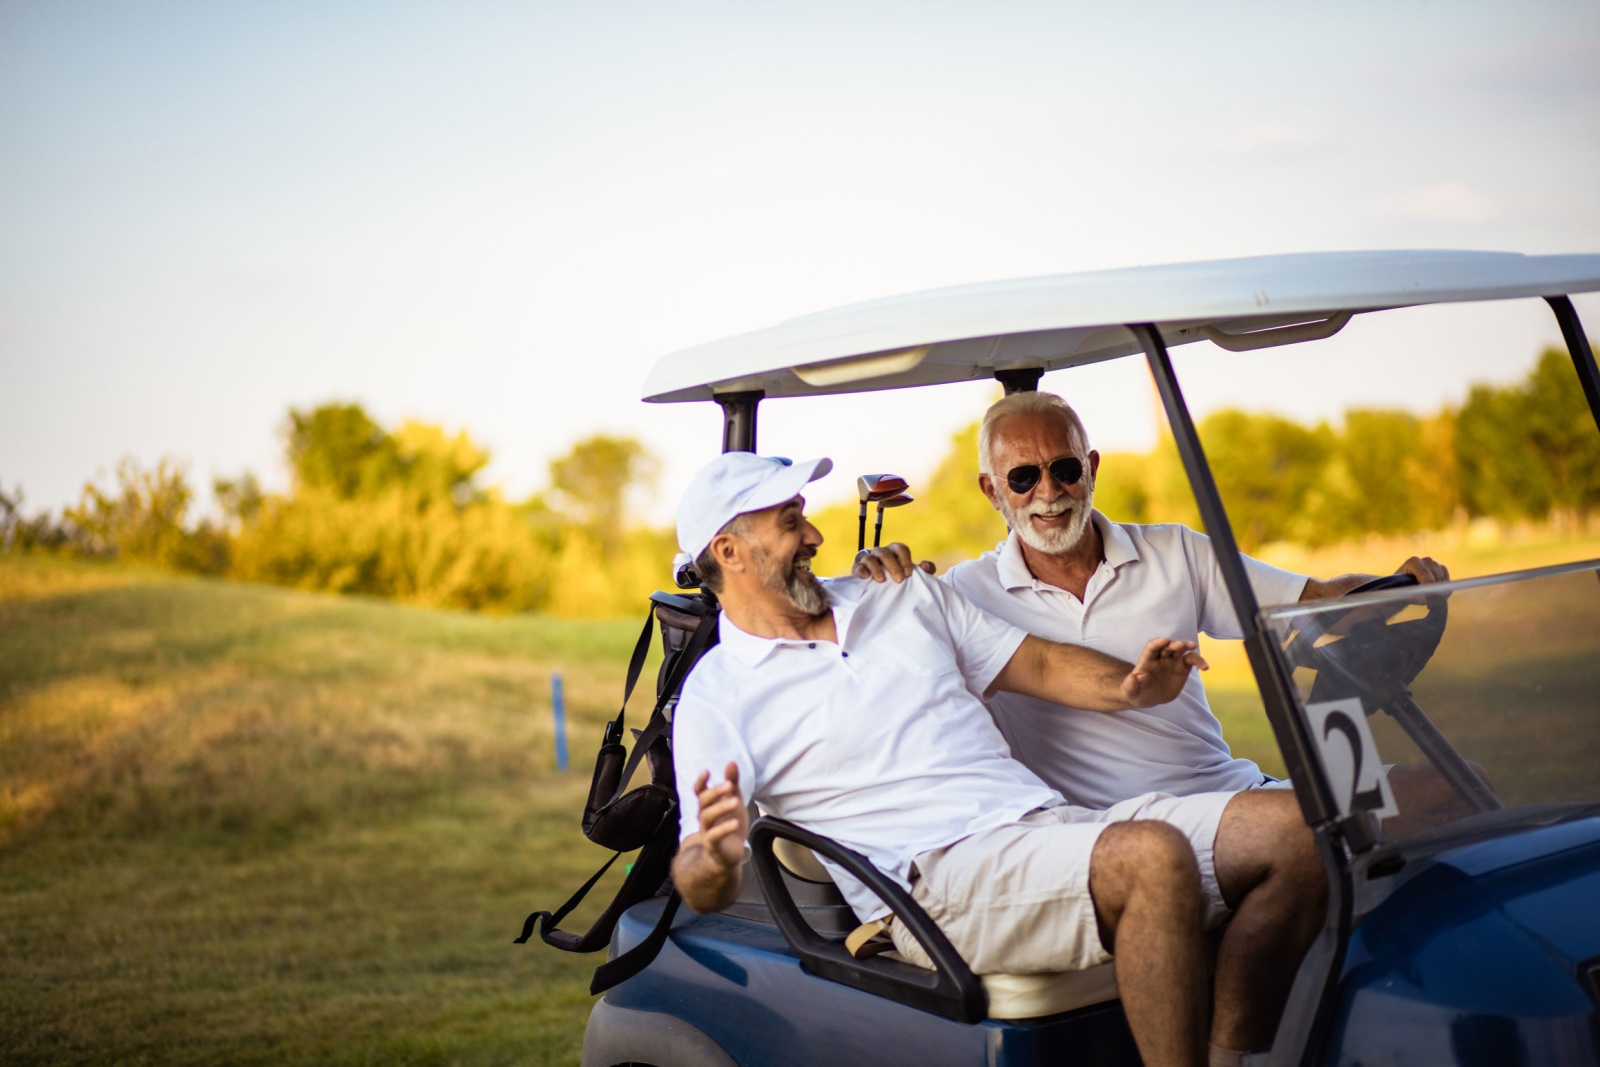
497	217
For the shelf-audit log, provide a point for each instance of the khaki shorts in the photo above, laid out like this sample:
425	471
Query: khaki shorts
1015	899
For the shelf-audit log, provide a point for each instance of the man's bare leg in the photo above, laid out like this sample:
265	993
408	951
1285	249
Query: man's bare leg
1270	874
1145	884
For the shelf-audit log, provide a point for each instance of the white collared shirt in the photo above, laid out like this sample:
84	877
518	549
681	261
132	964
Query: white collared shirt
1155	581
880	742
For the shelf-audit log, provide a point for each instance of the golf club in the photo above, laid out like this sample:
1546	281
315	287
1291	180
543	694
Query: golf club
875	487
892	502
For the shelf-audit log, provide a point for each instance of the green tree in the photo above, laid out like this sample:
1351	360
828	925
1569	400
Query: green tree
1561	431
339	448
1392	472
591	484
144	519
1500	477
240	499
20	533
1266	467
436	465
1121	488
954	520
1152	486
1530	449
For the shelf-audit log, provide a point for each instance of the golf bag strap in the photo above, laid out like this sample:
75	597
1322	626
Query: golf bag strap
658	721
548	921
637	958
641	651
650	870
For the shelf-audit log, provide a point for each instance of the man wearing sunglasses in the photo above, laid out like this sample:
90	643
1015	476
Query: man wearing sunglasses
1067	573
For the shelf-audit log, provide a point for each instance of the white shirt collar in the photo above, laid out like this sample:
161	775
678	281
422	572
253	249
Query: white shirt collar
1117	547
844	596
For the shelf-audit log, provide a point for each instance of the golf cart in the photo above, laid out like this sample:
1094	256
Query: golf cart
1474	940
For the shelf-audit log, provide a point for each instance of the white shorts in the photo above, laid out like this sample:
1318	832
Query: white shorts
1015	899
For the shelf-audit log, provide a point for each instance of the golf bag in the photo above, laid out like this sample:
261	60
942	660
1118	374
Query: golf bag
645	818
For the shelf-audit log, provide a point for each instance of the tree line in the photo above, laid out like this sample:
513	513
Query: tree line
398	513
1523	452
402	513
1528	451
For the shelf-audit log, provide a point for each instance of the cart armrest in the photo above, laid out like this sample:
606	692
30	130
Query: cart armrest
950	989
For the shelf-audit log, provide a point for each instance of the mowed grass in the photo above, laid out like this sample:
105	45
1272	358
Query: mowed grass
247	825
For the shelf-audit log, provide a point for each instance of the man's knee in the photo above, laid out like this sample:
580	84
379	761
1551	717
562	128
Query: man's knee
1147	856
1263	836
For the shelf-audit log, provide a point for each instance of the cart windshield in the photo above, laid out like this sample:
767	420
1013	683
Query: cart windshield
1450	708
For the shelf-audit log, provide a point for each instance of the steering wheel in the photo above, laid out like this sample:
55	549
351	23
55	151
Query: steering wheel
1382	582
1365	655
1357	652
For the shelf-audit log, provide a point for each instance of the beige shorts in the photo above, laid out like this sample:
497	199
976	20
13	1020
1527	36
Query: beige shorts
1015	899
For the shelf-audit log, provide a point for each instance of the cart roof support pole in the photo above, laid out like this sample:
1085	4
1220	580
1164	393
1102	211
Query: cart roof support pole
1205	487
739	420
1312	999
1295	743
1578	348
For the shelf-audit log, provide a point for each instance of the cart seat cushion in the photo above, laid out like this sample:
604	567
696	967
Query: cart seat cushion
1028	996
799	861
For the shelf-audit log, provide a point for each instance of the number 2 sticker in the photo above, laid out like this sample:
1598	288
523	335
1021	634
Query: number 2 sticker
1350	756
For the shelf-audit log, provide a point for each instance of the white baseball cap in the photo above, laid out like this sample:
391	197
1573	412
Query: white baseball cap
735	483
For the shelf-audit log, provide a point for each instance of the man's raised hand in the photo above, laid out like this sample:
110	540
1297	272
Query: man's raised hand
724	819
1161	672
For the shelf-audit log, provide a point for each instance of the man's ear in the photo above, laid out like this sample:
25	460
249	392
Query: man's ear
1094	463
986	483
726	550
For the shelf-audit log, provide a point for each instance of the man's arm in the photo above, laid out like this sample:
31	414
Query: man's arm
707	867
1424	569
1083	678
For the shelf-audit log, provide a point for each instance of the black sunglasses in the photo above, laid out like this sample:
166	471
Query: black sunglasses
1066	471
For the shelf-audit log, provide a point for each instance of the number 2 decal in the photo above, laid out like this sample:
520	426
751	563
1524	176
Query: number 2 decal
1350	757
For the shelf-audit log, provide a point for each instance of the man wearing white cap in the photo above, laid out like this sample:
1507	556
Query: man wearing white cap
855	709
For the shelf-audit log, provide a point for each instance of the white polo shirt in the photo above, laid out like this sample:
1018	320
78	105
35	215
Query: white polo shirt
1155	581
880	742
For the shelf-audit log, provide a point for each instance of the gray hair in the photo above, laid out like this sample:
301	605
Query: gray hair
1028	403
706	566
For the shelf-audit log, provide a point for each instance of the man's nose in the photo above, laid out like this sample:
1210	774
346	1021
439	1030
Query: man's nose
811	535
1048	488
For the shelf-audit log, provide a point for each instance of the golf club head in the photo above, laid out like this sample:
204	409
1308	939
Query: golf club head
899	501
879	486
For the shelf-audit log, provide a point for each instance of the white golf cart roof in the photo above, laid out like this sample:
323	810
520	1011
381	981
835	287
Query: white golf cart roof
1065	320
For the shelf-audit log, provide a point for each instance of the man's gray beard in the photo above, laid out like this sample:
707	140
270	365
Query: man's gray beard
1058	541
801	589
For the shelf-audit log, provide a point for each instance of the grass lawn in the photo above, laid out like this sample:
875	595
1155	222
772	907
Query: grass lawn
241	824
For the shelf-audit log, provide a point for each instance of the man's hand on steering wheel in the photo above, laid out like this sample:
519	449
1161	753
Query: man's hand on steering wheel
1424	569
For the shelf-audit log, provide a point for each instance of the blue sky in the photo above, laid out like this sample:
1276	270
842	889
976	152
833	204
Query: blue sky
497	216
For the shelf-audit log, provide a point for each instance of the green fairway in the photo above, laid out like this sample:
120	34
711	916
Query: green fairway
244	824
239	824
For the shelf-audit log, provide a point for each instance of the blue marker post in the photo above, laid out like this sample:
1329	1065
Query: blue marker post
558	705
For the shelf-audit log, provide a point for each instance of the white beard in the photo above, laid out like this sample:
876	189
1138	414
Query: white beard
797	583
1058	540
